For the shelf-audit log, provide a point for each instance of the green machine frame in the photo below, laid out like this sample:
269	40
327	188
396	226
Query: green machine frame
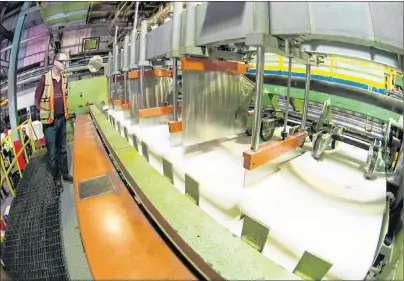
82	94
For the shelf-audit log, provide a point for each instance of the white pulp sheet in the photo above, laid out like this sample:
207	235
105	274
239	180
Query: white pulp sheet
325	207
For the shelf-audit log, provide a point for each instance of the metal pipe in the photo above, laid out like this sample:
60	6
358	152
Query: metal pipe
175	89
116	60
121	60
116	16
176	34
124	87
12	71
351	141
339	122
115	91
77	68
133	39
284	132
190	24
136	15
116	36
116	50
142	47
335	89
306	98
109	74
255	139
125	66
142	93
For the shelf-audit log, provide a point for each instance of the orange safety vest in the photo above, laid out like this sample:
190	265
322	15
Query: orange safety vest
46	108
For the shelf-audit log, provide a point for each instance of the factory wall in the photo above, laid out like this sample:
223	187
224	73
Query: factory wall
30	52
73	40
33	51
355	73
25	98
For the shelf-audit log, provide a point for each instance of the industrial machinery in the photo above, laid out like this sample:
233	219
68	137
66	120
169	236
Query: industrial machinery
330	124
326	113
182	106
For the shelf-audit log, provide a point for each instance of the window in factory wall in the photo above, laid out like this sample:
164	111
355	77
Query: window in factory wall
90	44
22	115
33	113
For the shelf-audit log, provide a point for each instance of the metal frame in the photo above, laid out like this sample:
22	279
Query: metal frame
220	23
264	25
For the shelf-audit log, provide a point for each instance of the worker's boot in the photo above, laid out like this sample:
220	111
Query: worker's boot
59	185
67	178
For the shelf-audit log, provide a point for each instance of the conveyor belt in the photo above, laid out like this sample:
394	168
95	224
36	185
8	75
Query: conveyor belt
119	240
32	247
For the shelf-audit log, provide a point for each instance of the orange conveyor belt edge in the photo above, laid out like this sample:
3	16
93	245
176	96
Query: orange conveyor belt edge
119	241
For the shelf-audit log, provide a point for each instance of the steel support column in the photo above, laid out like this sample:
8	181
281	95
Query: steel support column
285	121
175	89
174	53
110	71
142	88
255	139
12	70
133	39
306	98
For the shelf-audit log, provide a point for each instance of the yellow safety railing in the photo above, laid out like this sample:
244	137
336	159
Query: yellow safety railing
6	169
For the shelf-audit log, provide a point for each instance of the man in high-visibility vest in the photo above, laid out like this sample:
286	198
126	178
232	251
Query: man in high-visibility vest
51	101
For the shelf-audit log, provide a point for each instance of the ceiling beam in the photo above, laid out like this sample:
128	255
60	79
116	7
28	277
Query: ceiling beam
4	63
3	11
6	33
12	12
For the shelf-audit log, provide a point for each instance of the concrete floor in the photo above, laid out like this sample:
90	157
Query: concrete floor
75	257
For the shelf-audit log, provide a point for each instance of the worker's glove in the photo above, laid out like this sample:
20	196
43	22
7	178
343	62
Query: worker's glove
390	196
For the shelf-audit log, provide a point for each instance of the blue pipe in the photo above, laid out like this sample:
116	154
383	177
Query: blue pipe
12	70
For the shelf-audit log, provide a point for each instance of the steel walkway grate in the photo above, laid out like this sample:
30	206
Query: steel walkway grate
32	248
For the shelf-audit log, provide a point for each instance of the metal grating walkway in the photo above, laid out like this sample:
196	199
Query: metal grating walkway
32	248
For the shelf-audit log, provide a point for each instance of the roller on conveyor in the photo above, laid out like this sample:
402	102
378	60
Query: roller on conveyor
329	124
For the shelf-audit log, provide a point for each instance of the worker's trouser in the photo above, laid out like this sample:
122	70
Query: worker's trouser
55	136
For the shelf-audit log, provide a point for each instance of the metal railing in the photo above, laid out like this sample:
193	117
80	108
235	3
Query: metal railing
6	166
